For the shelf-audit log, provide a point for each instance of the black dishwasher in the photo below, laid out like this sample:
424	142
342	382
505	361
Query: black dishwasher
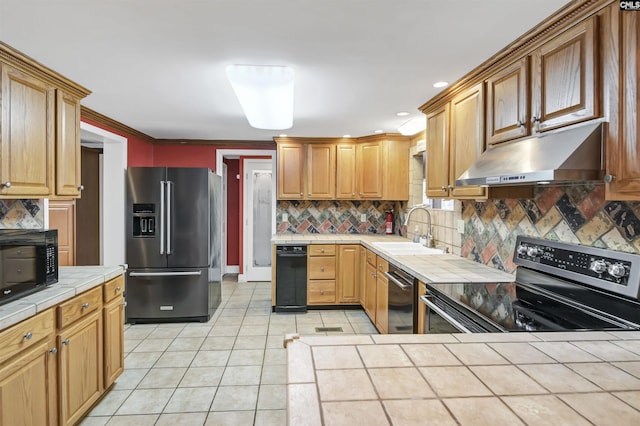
291	279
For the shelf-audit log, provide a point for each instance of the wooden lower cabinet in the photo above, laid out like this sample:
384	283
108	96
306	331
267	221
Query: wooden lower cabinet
382	297
370	292
80	367
113	318
321	292
348	276
62	216
422	308
321	274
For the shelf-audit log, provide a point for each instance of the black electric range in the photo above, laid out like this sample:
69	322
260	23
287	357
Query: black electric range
558	286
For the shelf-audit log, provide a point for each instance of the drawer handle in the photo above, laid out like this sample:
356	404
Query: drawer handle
28	336
53	351
66	342
118	289
321	250
85	306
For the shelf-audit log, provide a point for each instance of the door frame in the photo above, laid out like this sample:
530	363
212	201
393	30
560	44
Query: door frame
236	153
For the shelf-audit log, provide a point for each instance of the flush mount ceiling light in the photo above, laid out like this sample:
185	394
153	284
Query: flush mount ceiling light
265	93
440	84
413	126
402	113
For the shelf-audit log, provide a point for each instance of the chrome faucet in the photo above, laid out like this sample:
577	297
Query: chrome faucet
406	221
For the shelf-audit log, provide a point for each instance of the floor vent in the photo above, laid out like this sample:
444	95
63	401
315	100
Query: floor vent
329	329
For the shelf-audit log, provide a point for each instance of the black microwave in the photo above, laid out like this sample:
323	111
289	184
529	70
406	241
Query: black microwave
28	261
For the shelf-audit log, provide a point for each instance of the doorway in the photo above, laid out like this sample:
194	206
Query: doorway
257	219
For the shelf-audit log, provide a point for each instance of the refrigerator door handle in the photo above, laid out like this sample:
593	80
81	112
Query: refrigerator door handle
164	274
169	205
162	216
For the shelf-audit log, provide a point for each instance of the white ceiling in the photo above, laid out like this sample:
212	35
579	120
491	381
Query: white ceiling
159	65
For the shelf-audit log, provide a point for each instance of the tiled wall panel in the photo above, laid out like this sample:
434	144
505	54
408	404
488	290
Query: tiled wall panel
25	214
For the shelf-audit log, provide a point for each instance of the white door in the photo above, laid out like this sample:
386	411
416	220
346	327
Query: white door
259	202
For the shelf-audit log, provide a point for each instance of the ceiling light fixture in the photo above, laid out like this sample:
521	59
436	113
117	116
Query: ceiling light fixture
440	84
346	136
402	113
265	93
413	126
378	131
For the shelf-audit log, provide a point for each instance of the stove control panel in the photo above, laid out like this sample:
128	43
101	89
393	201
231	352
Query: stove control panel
601	267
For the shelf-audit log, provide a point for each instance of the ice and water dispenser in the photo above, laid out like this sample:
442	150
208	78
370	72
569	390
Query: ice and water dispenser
144	220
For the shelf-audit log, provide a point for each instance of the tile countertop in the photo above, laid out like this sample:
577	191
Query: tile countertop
575	378
72	280
429	268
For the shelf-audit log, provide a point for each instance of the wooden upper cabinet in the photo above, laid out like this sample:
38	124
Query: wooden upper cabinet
62	216
623	151
27	138
437	164
508	103
290	170
369	169
68	173
321	171
564	78
346	186
396	168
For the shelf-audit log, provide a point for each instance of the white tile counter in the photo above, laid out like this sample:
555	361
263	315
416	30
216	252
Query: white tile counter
430	268
465	379
72	280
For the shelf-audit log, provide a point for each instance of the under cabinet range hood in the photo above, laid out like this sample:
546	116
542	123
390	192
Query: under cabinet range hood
560	157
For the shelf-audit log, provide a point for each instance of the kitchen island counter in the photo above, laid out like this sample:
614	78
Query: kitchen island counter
470	379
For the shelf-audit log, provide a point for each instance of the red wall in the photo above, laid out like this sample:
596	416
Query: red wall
184	156
139	152
233	212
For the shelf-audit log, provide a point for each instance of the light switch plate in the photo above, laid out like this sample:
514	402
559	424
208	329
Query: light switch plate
285	217
363	217
460	226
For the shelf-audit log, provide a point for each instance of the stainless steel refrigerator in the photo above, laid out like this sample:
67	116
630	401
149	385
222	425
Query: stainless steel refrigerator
173	244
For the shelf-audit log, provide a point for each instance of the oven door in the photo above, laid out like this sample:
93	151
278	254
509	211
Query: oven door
442	316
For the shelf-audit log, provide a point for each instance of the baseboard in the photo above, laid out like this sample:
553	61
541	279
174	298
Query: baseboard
242	278
232	269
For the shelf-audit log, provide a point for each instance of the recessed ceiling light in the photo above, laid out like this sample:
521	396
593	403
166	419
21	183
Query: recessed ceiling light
265	94
378	131
346	136
402	113
440	84
283	135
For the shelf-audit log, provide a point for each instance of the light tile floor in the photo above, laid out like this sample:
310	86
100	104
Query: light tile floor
229	371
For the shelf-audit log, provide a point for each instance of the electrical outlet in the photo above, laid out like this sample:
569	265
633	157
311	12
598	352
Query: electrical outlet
285	217
460	226
363	217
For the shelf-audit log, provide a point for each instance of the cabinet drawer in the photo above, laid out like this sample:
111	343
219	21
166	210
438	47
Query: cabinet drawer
321	250
20	270
113	289
321	292
372	259
383	265
79	306
19	252
26	334
321	268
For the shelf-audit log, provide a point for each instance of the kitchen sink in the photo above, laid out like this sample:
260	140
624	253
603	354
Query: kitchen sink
408	248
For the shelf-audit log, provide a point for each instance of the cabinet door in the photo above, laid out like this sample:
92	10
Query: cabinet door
321	171
26	142
349	259
622	152
346	171
508	102
363	274
28	388
290	164
467	139
564	82
68	173
63	218
437	163
369	169
396	169
80	369
370	292
382	299
113	316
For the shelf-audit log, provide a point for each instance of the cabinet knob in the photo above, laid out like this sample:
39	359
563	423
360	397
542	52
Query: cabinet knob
66	342
85	306
444	188
360	193
321	291
118	289
609	178
28	336
353	193
301	194
535	119
322	268
53	351
6	184
309	193
321	250
81	188
520	123
450	187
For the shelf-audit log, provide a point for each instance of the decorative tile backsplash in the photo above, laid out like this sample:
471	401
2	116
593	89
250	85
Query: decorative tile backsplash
336	217
25	214
577	214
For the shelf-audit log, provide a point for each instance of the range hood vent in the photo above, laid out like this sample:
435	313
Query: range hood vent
561	157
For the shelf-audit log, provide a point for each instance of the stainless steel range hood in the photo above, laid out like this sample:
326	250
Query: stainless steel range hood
563	156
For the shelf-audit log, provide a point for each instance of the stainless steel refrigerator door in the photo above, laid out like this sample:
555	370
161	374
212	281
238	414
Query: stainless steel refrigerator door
188	217
156	294
145	185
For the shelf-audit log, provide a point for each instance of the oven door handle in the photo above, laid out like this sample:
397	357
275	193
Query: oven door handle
397	281
444	315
